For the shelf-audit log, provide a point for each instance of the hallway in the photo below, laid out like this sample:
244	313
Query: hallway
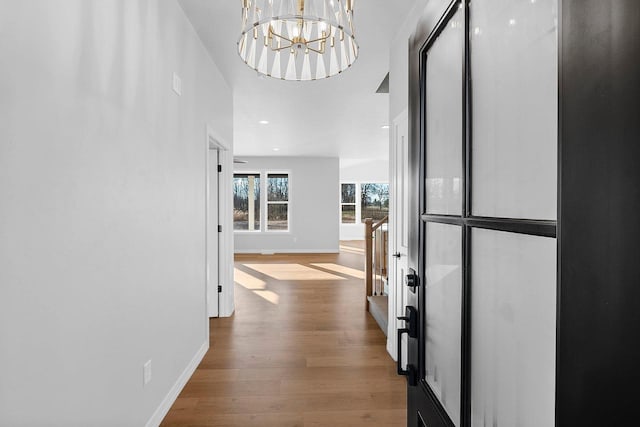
299	351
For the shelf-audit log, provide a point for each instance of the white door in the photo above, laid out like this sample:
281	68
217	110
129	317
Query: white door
399	226
212	233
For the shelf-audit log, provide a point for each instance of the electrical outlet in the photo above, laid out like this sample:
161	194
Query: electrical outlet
146	372
177	84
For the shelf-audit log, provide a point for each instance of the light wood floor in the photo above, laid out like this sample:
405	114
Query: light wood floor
299	351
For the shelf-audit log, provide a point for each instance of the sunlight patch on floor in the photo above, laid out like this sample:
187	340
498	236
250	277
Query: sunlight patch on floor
270	296
358	274
292	272
351	250
255	285
248	281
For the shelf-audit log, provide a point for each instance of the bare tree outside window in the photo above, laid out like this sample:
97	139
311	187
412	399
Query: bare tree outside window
374	201
277	202
242	202
348	203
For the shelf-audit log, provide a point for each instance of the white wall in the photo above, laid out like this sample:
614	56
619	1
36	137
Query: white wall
102	185
399	62
364	170
361	171
313	206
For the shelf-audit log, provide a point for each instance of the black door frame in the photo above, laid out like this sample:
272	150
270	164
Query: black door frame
598	349
421	398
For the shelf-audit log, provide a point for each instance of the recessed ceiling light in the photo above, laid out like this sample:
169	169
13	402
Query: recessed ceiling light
276	149
264	122
384	127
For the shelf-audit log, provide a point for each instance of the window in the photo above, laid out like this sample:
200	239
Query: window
246	201
277	202
374	201
348	203
251	212
359	201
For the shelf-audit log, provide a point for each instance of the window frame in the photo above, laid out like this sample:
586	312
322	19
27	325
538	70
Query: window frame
267	202
259	175
360	196
355	202
358	201
263	174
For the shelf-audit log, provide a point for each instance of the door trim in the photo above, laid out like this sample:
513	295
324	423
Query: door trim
215	141
396	288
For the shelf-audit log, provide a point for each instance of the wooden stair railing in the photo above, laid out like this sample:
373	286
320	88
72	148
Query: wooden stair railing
369	229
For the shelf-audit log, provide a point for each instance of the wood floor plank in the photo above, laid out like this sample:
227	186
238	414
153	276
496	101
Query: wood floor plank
359	418
300	351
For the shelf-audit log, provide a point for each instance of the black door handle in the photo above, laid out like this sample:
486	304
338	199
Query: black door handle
410	372
411	318
397	255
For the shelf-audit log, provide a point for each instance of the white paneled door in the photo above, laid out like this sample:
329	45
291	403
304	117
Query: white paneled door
399	225
213	236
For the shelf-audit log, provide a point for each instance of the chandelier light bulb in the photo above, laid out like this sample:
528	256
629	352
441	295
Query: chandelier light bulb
316	37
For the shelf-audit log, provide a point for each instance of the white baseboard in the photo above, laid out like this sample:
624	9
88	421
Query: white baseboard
286	251
226	313
171	397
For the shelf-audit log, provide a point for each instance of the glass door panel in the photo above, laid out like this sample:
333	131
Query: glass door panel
444	78
443	307
513	334
489	293
514	73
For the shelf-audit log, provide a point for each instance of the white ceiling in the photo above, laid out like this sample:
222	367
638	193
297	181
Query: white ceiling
340	116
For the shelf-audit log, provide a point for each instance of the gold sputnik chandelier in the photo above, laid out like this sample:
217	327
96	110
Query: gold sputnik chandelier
298	39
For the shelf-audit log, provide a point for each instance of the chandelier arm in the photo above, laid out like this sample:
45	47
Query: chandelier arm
278	49
321	39
273	33
319	52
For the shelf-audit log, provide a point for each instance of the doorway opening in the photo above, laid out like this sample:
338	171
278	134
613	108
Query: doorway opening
218	229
